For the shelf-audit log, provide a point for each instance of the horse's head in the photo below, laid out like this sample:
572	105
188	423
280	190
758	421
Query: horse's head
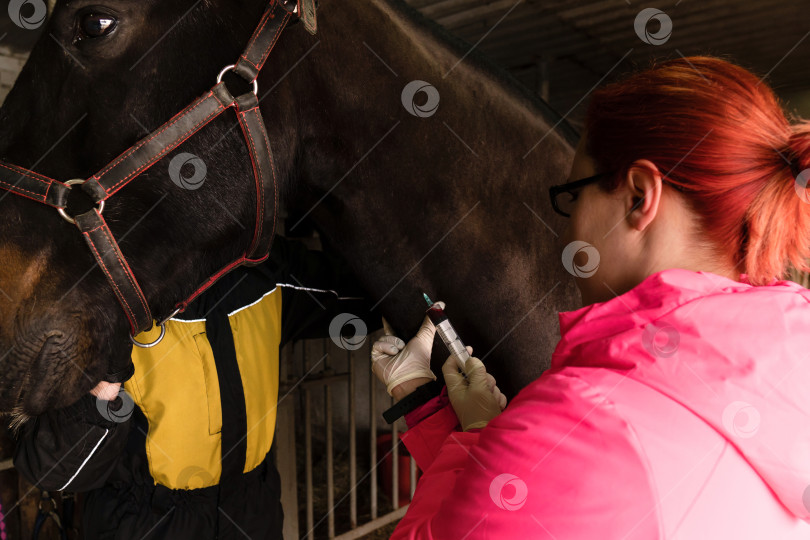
103	75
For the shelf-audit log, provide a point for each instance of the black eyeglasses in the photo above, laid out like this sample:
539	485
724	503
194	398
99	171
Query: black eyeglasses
564	196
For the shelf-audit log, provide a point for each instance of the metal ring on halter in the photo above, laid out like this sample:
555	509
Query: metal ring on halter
64	214
230	68
150	345
162	326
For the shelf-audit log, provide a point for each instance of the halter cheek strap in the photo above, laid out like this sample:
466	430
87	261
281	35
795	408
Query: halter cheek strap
261	157
108	255
157	145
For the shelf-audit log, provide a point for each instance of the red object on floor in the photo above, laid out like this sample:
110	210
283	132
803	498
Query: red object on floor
2	524
385	469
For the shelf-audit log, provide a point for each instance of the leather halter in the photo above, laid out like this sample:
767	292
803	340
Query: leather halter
154	147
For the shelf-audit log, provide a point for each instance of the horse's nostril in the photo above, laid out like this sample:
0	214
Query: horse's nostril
53	346
51	339
54	336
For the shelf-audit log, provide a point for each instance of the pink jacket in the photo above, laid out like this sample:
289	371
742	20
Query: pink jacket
680	409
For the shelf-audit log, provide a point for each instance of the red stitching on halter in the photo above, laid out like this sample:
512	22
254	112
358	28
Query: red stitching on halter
21	191
246	59
123	301
48	190
118	185
258	176
257	232
257	261
275	183
259	173
266	54
258	31
25	172
16	189
127	270
213	279
143	142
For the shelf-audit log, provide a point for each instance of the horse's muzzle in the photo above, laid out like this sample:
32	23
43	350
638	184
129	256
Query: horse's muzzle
37	375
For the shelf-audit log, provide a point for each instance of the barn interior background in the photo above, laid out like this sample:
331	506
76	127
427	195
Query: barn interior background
341	477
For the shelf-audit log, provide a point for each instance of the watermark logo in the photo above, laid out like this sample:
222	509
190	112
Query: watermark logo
800	185
661	339
337	331
186	478
184	161
412	89
586	269
798	457
806	498
117	410
642	23
742	419
28	14
508	492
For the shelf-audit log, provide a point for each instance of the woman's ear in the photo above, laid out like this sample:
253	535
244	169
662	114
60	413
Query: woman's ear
643	185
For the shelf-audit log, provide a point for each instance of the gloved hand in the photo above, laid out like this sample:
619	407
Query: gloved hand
394	362
476	398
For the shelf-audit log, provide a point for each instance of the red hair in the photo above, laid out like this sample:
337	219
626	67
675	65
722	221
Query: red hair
715	129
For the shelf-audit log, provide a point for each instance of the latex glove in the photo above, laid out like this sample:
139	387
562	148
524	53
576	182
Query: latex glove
394	362
476	398
106	391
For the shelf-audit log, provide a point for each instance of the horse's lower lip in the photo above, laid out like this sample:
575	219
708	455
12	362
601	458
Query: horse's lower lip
13	377
32	396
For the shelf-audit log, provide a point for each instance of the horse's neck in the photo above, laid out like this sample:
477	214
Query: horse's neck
404	195
348	107
471	94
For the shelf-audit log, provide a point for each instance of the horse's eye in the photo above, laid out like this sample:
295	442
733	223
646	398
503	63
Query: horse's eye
94	25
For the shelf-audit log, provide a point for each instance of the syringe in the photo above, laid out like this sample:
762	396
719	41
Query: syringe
448	334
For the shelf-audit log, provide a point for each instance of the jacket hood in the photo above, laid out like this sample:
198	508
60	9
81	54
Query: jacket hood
735	355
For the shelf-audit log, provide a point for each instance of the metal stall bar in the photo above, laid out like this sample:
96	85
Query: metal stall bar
373	450
372	526
285	445
352	445
308	443
325	380
330	458
394	464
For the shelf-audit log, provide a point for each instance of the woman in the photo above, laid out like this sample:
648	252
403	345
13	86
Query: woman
677	403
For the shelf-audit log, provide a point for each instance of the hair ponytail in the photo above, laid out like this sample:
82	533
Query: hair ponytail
778	219
714	128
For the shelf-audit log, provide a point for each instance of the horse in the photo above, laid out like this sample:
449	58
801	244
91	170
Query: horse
421	164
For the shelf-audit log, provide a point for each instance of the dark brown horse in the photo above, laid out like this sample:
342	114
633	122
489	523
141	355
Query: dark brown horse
449	199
